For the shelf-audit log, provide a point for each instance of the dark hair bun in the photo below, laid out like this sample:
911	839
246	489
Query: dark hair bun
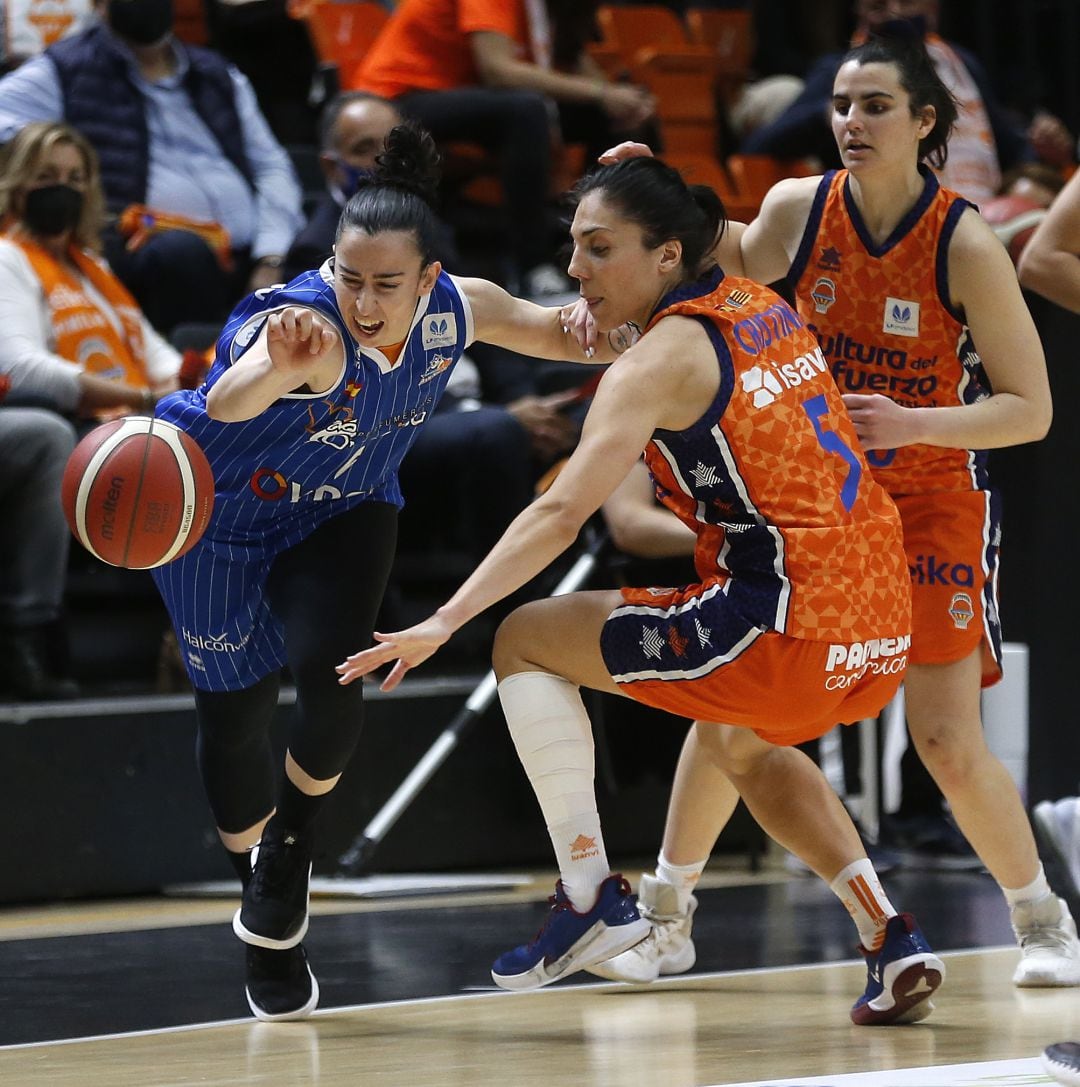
409	161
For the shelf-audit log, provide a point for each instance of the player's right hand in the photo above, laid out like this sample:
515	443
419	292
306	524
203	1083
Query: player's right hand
298	338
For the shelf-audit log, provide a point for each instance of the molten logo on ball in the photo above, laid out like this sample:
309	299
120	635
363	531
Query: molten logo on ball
108	507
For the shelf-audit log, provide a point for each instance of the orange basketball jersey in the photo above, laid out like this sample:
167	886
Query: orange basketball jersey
886	324
791	526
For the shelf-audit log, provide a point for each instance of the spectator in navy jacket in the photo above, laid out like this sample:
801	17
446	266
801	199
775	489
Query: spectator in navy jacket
177	129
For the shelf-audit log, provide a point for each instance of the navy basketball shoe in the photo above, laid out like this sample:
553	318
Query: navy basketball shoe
902	975
570	941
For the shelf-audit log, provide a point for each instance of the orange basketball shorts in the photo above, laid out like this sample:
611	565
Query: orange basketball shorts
951	540
689	651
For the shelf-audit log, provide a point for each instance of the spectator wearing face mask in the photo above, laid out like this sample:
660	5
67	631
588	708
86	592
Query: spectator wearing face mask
72	338
352	129
211	198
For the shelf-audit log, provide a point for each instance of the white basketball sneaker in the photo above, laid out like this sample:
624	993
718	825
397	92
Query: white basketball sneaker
668	949
1049	949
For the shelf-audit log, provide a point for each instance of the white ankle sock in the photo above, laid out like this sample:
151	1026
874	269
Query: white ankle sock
860	890
553	737
1035	891
683	877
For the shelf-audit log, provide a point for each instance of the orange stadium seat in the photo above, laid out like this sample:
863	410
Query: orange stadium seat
341	31
729	33
641	26
754	175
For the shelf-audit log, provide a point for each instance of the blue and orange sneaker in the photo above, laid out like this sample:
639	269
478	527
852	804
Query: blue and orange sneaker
569	941
902	975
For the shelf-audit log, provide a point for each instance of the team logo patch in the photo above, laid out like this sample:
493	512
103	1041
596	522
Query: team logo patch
961	610
823	294
761	385
247	334
583	847
436	365
736	300
829	261
901	317
439	330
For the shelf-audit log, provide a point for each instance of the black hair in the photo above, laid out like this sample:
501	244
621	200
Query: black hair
333	109
653	195
400	193
919	78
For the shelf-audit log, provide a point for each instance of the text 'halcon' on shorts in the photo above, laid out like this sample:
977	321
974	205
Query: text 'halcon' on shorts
690	652
228	636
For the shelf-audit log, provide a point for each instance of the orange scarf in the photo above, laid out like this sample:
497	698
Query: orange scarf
84	332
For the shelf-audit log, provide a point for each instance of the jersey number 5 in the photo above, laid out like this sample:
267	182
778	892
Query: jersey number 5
817	409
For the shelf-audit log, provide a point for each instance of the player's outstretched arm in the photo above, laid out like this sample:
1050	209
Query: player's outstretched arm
538	331
677	363
296	346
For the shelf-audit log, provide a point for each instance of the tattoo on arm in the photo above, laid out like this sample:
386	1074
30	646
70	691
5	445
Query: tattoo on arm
624	337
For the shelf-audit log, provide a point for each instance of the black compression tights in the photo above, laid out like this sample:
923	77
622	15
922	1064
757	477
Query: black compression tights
326	590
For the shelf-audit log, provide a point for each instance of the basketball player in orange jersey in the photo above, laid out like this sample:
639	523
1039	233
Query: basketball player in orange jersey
801	613
902	281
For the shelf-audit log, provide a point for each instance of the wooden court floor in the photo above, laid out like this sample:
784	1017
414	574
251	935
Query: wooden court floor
151	993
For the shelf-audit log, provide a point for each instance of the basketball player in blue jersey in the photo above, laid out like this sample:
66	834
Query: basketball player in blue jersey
318	390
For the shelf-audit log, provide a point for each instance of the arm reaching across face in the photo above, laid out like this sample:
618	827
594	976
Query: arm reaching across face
296	346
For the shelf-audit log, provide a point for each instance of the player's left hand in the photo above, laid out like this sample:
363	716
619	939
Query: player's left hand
410	648
881	423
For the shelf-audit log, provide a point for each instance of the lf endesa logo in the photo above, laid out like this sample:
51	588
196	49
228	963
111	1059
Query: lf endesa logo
847	664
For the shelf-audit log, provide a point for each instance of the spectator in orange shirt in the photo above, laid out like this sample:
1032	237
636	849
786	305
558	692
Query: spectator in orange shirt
487	72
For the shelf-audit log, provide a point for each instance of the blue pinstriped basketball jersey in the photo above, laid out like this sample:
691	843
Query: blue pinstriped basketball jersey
309	456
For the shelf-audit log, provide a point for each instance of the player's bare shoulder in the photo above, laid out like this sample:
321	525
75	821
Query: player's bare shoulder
788	202
977	261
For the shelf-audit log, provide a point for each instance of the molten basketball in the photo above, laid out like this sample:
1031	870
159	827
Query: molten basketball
138	492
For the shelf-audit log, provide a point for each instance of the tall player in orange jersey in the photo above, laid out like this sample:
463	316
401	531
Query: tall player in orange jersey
801	612
902	281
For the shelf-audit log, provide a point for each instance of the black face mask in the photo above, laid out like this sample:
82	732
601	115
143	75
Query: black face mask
912	28
142	22
52	210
